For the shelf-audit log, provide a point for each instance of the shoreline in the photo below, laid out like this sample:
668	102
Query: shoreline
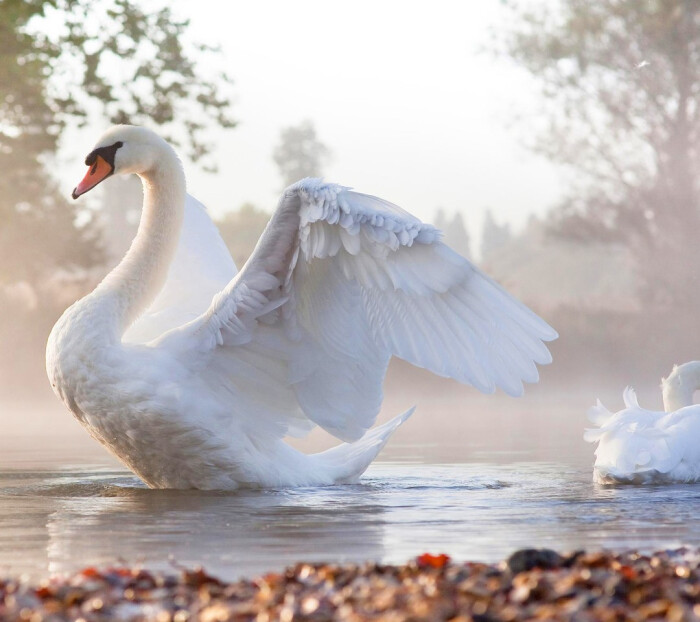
530	584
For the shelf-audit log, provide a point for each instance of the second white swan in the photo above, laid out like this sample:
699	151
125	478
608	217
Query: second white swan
193	375
640	446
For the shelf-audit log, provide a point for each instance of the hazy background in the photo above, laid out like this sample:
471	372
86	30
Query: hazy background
555	143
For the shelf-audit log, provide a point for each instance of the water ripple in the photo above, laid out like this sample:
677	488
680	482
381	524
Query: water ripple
61	519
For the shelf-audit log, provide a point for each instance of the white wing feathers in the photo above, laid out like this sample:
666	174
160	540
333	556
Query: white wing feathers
338	283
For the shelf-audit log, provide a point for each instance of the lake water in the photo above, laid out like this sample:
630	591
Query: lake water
59	512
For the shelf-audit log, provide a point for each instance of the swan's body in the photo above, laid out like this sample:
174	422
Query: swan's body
193	375
636	445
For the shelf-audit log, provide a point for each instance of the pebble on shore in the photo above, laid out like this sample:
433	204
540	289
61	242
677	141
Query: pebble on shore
531	585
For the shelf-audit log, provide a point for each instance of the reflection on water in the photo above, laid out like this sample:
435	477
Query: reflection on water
61	519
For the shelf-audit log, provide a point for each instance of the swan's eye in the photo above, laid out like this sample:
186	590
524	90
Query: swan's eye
107	154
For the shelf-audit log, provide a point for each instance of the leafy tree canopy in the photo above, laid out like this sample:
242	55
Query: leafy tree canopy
62	61
300	153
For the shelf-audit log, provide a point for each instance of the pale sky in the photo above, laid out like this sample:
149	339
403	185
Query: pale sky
399	92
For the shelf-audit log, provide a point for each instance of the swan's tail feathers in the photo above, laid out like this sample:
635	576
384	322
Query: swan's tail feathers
607	421
348	461
630	398
598	415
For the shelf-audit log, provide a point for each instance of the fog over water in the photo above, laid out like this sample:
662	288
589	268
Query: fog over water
477	477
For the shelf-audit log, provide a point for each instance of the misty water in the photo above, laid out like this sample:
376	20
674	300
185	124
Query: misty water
62	508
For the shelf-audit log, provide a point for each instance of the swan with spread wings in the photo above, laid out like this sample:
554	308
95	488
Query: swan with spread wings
193	374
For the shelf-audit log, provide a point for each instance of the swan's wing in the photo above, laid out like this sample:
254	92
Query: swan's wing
202	266
338	283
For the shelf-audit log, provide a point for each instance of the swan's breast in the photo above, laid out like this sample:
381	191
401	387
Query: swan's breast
82	354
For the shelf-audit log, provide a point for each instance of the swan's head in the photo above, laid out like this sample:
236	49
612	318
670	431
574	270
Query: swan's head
123	149
678	389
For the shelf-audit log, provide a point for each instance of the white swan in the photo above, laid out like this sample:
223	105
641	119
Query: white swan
637	445
192	374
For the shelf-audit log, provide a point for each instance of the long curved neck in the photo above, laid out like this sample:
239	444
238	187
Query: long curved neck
135	282
679	387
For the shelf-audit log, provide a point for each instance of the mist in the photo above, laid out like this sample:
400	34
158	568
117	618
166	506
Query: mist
596	236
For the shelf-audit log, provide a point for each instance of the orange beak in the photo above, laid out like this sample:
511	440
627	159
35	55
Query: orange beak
100	170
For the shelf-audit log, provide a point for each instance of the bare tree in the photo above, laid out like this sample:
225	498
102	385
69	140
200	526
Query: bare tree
620	84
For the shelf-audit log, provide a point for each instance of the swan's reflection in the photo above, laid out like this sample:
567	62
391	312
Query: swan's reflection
230	534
